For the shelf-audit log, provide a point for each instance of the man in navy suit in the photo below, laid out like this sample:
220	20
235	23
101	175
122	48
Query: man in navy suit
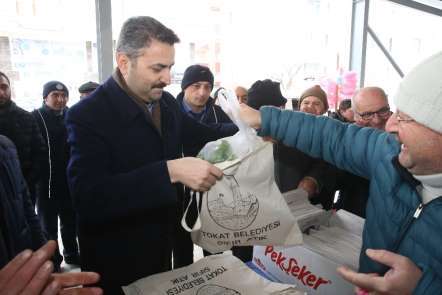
126	168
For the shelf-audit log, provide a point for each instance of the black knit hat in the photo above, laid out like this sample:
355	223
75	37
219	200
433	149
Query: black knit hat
54	86
88	87
196	73
265	93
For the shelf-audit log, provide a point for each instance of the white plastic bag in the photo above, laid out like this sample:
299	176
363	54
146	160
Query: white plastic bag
245	207
239	145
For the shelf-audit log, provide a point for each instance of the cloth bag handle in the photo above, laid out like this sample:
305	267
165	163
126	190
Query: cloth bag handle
197	224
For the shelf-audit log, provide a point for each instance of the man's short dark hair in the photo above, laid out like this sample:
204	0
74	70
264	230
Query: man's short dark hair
138	33
6	77
345	104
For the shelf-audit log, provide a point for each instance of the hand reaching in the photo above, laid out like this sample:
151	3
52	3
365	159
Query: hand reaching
250	116
31	273
401	279
310	185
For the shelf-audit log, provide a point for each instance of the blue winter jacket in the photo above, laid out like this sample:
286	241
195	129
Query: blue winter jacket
393	201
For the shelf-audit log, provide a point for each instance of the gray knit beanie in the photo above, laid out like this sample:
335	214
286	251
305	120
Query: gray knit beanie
420	93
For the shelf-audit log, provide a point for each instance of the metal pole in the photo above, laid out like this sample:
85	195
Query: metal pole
104	38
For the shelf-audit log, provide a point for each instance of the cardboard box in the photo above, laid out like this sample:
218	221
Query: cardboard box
306	268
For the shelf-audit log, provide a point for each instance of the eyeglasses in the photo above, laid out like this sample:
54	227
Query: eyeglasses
383	113
403	118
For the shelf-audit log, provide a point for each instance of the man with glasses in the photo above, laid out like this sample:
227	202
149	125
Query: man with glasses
405	171
53	197
370	107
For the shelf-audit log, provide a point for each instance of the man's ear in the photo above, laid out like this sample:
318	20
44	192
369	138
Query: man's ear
122	63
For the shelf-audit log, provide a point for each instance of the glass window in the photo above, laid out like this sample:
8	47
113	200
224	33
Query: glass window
43	40
243	41
408	34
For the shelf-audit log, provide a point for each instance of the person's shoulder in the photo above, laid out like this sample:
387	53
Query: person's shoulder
93	103
169	100
168	97
36	115
172	105
180	96
224	117
20	111
104	107
217	108
23	116
6	143
8	150
35	112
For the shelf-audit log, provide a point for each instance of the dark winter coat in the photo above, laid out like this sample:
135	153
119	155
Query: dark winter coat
292	165
213	114
125	201
53	170
20	127
20	228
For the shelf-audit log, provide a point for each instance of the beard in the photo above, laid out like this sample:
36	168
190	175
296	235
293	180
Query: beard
4	100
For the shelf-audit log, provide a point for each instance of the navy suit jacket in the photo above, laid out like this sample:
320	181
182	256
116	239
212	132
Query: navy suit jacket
119	180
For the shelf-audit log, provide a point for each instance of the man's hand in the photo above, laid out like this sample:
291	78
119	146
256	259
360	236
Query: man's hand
310	185
31	273
401	279
194	173
269	139
59	283
250	116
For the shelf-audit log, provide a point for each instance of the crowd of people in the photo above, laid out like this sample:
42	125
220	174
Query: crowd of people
118	169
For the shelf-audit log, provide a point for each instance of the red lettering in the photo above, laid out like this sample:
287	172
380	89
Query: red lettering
295	270
292	264
269	249
280	261
302	274
321	281
310	280
292	267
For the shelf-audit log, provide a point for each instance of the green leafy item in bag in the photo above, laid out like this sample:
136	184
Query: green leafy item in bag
223	152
